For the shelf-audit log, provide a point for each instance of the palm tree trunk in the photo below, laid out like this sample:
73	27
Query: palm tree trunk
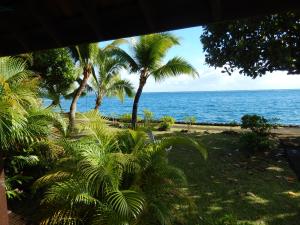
3	202
54	103
136	101
77	95
98	102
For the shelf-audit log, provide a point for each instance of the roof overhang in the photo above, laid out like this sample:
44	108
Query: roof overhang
28	25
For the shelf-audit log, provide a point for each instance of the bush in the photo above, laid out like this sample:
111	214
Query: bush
148	117
126	118
259	138
257	124
166	123
190	120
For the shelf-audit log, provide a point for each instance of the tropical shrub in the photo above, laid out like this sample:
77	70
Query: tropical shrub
114	178
260	137
24	124
166	123
126	118
190	120
148	117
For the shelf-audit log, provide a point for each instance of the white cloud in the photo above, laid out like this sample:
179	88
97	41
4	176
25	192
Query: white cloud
211	79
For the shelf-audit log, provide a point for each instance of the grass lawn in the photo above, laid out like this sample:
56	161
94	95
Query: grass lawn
261	190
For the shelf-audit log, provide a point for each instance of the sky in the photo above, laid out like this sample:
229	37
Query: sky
210	79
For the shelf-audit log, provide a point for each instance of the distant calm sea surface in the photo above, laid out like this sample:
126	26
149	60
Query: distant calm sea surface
207	106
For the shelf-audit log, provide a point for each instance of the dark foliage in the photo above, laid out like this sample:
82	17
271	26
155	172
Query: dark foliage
254	46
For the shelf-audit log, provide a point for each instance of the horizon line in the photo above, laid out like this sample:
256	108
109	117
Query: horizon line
271	89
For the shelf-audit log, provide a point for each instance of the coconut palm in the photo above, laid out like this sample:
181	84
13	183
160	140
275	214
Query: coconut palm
109	82
84	55
147	59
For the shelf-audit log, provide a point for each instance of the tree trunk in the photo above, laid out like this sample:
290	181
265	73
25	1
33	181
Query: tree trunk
54	103
136	101
98	102
3	202
78	93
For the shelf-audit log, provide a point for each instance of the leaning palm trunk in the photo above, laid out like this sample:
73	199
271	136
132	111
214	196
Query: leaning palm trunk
136	102
86	75
98	102
3	202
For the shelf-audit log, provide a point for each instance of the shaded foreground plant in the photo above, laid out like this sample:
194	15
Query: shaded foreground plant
115	178
23	123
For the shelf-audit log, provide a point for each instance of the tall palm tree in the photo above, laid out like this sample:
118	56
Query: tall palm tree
108	82
85	56
147	59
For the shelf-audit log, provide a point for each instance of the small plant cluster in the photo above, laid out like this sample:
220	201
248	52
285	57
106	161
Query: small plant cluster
189	120
126	119
166	123
259	139
148	118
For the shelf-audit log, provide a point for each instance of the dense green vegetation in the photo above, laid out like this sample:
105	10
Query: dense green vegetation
82	171
114	178
254	46
85	174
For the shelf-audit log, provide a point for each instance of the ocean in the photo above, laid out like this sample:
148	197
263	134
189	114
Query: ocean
206	106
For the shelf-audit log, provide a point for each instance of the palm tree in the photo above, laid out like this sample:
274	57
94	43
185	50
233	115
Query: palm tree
22	122
86	184
114	178
85	56
15	94
109	82
147	59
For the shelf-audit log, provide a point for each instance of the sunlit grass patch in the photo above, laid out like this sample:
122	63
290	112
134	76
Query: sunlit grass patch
224	182
253	198
292	194
275	169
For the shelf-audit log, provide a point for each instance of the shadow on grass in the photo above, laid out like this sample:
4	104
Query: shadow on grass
261	190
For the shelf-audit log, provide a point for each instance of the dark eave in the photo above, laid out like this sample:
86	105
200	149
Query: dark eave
28	25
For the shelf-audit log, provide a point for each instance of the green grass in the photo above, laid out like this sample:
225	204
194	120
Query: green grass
261	190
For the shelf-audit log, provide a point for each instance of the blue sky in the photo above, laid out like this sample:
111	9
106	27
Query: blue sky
210	79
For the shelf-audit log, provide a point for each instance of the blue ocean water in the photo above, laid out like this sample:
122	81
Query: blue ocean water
207	106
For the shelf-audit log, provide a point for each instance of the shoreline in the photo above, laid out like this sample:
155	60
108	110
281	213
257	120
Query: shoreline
184	123
199	123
